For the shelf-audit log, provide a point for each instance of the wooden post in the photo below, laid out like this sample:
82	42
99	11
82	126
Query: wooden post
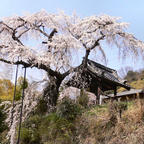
96	93
14	95
115	93
21	109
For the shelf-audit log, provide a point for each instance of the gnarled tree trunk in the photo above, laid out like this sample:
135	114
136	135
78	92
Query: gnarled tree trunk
51	91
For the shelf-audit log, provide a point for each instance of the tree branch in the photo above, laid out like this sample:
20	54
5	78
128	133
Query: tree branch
16	38
35	26
52	33
86	58
23	33
97	41
50	36
41	66
71	70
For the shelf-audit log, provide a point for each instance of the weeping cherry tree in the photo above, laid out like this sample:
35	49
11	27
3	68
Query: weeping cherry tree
57	37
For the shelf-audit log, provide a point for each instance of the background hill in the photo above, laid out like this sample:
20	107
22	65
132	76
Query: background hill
135	79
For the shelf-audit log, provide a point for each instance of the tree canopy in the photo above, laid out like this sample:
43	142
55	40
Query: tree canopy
59	36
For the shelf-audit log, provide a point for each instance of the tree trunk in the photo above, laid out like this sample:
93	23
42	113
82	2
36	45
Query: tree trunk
51	92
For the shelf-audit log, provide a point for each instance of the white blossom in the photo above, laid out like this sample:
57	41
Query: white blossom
71	34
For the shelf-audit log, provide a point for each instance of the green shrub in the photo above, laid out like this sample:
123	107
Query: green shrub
20	86
3	126
68	109
41	107
33	121
29	131
30	136
2	119
55	129
47	129
83	99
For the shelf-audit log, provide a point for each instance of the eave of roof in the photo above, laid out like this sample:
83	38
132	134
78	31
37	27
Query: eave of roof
106	73
131	92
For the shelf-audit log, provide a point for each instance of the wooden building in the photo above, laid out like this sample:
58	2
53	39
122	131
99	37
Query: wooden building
97	78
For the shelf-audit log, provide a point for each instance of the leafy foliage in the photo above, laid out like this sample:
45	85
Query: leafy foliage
41	107
58	36
29	132
7	89
132	76
135	80
3	125
68	109
94	125
2	118
20	86
47	129
83	99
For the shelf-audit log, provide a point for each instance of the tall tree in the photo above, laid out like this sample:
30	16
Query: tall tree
59	36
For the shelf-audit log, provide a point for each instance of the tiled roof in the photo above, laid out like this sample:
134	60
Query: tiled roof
106	73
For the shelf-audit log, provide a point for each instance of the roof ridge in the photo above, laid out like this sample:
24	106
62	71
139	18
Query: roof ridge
102	66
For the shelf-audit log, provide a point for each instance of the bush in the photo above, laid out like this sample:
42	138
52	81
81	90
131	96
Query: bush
47	129
115	109
83	99
55	129
41	107
68	109
3	126
2	119
30	136
29	131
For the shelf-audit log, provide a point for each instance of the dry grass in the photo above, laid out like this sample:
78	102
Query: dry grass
97	126
139	84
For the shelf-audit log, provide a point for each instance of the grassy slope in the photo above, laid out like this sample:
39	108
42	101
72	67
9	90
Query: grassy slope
97	125
104	128
139	84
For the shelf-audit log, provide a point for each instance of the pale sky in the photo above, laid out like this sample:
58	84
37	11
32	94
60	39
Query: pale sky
131	11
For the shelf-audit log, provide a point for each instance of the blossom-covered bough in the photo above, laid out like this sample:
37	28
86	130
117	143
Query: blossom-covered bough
59	37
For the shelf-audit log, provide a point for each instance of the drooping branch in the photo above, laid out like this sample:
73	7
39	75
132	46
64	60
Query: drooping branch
73	34
23	33
39	66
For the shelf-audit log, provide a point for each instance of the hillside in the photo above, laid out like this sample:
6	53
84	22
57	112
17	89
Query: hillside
134	79
71	123
138	84
76	122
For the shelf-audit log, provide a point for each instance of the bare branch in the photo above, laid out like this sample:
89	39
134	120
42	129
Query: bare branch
16	38
97	41
52	33
50	36
10	28
71	70
23	33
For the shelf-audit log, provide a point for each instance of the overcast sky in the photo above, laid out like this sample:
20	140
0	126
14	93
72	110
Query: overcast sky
131	11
